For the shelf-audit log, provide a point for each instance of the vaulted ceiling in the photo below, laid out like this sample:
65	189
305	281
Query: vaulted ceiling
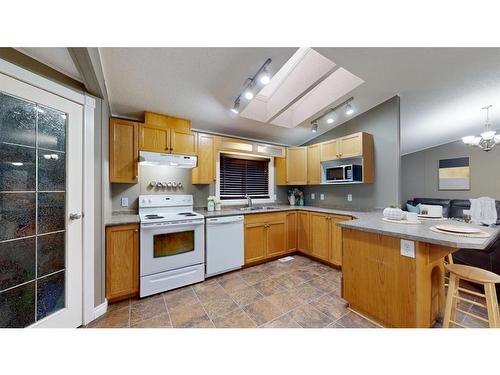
442	90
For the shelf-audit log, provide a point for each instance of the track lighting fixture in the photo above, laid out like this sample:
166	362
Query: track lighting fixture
314	126
236	106
348	109
252	86
330	119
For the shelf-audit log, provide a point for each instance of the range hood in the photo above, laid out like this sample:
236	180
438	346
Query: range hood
168	160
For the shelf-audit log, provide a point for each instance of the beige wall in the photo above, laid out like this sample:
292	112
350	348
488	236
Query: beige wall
420	172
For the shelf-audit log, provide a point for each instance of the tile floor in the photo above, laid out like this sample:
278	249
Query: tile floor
295	294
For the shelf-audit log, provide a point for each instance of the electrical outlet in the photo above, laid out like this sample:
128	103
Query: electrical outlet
349	197
124	201
322	197
313	196
408	248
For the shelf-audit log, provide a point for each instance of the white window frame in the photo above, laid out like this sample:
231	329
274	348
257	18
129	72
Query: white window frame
239	202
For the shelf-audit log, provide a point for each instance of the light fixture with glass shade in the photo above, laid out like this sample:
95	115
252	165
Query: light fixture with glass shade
314	126
487	139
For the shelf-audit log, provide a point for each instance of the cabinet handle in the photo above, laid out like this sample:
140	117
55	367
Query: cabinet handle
136	230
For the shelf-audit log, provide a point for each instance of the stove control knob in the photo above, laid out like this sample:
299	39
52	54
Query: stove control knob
174	184
150	201
179	184
152	183
169	184
164	184
158	185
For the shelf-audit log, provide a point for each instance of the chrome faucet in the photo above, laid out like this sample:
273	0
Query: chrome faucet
249	200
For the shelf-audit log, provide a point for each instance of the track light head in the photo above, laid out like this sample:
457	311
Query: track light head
348	109
265	77
248	94
330	119
236	106
314	126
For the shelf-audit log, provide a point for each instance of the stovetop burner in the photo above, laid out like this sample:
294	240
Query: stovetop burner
186	214
154	216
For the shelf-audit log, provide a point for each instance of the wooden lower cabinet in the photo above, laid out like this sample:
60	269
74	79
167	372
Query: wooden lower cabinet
265	236
335	255
122	262
303	231
291	231
320	235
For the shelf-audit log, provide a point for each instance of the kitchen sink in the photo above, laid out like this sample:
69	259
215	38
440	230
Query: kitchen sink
260	208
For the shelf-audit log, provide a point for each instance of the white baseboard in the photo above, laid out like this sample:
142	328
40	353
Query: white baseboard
101	309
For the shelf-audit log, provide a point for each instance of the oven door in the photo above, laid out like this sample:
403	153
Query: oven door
172	246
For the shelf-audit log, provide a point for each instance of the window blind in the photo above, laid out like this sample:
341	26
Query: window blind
240	176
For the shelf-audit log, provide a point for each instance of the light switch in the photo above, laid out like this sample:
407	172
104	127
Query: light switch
313	196
124	201
408	248
322	197
349	197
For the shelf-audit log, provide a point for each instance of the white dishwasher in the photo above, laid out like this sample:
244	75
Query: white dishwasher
224	240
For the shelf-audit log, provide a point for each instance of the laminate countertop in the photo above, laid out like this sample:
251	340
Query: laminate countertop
371	221
122	219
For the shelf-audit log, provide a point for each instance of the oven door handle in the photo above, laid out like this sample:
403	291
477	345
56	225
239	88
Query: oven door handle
171	225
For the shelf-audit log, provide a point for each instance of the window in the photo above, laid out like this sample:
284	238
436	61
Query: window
241	175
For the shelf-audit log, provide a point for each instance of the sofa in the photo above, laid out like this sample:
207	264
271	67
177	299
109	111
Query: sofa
488	259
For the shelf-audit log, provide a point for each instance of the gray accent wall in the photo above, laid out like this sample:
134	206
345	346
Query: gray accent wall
420	172
383	123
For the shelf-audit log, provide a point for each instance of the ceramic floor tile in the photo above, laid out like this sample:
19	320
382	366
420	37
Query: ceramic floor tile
304	274
118	305
289	281
330	305
233	283
319	268
254	277
158	321
211	292
205	284
217	307
268	287
188	316
204	322
284	301
353	320
147	309
262	311
306	292
284	321
308	317
246	296
235	319
324	285
180	297
114	319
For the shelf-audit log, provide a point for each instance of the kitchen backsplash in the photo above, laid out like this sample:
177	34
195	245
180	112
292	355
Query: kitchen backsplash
159	174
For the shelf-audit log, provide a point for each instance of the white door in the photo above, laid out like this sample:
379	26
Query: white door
40	207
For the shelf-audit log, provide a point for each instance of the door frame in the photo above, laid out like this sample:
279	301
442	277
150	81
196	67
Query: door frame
88	103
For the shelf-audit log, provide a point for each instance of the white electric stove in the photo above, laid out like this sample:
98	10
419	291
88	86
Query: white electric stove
172	243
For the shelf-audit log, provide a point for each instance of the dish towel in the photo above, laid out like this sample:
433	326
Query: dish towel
483	211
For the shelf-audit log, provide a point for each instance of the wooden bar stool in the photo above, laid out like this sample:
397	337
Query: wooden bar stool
477	276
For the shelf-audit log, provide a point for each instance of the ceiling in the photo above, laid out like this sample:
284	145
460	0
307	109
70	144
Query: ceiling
442	90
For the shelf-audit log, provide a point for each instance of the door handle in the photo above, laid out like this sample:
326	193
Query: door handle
75	216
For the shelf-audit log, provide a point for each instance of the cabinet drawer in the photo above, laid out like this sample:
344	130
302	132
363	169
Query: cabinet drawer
265	218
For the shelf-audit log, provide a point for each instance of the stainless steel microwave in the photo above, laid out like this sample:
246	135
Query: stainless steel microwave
344	173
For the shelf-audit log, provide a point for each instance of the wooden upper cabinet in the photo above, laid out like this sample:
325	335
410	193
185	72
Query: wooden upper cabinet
154	138
122	261
233	144
167	134
313	165
204	173
320	231
329	150
280	165
303	226
182	142
296	166
123	151
351	146
291	231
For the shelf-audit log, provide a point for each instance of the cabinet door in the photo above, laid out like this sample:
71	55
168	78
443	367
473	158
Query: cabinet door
303	231
204	173
296	166
280	165
233	144
123	151
320	240
122	261
313	164
182	142
276	238
336	239
154	138
291	231
330	150
255	242
351	146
